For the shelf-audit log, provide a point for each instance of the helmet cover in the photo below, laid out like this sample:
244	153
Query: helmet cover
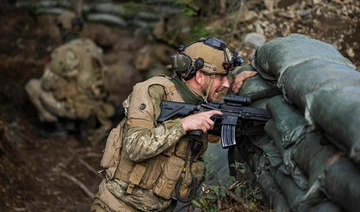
209	55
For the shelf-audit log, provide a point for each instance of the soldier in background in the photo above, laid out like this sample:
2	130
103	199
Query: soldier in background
70	93
150	60
169	33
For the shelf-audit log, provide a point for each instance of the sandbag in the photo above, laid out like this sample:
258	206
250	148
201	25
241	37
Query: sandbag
270	129
260	103
300	178
273	154
251	153
325	206
272	192
290	122
341	184
292	192
314	75
312	153
337	112
257	88
276	56
314	195
289	166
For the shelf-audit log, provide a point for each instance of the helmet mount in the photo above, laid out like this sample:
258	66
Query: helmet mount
209	55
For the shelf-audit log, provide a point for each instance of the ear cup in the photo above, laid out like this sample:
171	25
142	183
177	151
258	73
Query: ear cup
181	63
198	65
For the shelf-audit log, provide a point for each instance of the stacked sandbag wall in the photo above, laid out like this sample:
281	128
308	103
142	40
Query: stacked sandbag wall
313	146
108	12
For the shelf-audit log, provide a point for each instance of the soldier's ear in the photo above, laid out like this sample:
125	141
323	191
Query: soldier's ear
199	77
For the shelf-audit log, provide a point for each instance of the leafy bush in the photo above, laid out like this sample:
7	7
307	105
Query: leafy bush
230	195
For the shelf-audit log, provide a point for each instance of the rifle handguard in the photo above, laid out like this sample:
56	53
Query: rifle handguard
233	109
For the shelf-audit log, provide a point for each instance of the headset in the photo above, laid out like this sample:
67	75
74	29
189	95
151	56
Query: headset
183	66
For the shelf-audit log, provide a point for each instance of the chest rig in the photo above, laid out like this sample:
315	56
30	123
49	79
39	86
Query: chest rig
175	173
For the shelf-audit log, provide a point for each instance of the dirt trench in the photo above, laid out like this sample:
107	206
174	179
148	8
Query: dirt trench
38	174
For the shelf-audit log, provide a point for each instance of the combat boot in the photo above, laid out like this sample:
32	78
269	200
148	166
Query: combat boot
83	133
53	130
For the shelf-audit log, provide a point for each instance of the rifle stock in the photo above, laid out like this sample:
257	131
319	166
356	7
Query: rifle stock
233	110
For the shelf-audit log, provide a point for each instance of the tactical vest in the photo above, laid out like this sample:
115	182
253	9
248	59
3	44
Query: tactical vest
82	60
162	172
89	58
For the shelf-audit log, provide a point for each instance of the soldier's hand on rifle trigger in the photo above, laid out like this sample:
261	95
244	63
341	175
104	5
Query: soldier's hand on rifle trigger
200	121
240	78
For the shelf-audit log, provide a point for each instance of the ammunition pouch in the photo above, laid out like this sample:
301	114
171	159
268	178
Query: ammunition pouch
169	176
111	156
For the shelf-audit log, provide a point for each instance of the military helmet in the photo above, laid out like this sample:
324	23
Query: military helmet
209	55
68	19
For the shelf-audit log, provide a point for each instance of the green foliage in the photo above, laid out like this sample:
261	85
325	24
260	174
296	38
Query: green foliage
31	9
132	8
199	31
188	7
203	203
239	167
235	194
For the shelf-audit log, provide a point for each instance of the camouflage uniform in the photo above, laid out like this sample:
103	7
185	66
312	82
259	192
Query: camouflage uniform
149	166
143	139
71	86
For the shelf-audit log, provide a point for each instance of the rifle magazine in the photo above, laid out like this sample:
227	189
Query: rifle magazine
228	136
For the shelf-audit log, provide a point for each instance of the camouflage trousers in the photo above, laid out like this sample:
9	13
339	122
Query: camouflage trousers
105	201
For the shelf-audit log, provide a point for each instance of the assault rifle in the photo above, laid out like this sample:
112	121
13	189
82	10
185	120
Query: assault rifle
232	108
